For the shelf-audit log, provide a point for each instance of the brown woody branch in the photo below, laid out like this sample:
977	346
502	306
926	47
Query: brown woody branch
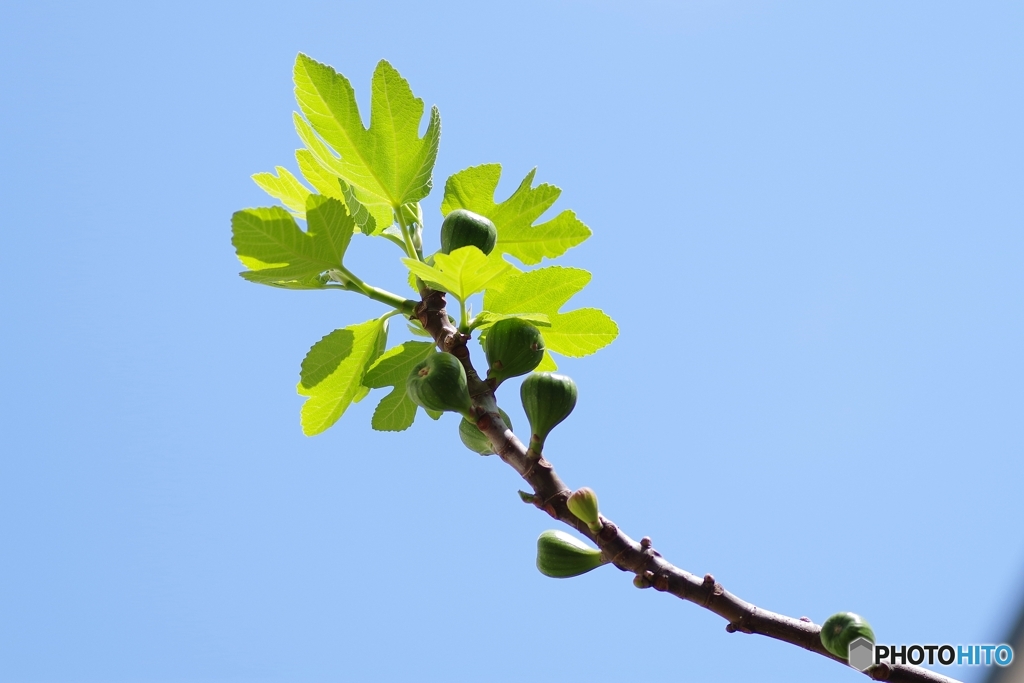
651	569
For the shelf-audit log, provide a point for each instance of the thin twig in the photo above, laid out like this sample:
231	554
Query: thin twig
550	495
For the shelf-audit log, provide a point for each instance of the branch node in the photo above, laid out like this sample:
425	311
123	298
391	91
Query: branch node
641	581
716	589
536	461
617	560
562	494
608	531
645	543
880	672
807	619
549	506
740	624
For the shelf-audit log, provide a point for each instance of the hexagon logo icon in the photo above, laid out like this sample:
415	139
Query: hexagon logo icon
861	654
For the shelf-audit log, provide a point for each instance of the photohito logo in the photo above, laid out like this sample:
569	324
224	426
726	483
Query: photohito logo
863	654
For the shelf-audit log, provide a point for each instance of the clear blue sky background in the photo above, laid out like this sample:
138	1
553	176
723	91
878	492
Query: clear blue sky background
807	221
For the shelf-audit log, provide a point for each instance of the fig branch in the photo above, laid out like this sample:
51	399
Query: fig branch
650	569
341	154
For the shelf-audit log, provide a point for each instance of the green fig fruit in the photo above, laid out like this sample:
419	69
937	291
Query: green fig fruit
548	398
561	556
439	383
474	439
462	228
841	629
583	504
514	347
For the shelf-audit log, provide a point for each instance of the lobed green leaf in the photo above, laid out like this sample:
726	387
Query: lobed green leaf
487	318
474	188
333	370
387	164
545	290
286	188
270	243
462	273
580	333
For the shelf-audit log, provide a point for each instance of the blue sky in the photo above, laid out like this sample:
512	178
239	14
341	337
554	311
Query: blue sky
807	223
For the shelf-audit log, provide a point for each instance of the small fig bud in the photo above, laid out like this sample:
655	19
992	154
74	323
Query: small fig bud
548	398
462	228
528	498
561	556
439	383
583	504
514	347
841	629
474	439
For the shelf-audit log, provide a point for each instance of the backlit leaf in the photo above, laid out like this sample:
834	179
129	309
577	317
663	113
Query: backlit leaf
332	373
271	244
285	187
473	189
462	273
545	290
387	164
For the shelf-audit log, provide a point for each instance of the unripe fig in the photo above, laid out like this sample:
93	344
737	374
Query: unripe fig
548	398
474	439
583	504
514	347
841	629
439	383
462	228
561	556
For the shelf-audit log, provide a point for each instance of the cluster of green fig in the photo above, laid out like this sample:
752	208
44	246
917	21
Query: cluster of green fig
513	347
841	629
439	383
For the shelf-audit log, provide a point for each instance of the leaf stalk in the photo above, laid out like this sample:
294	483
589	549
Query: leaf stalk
410	247
354	284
